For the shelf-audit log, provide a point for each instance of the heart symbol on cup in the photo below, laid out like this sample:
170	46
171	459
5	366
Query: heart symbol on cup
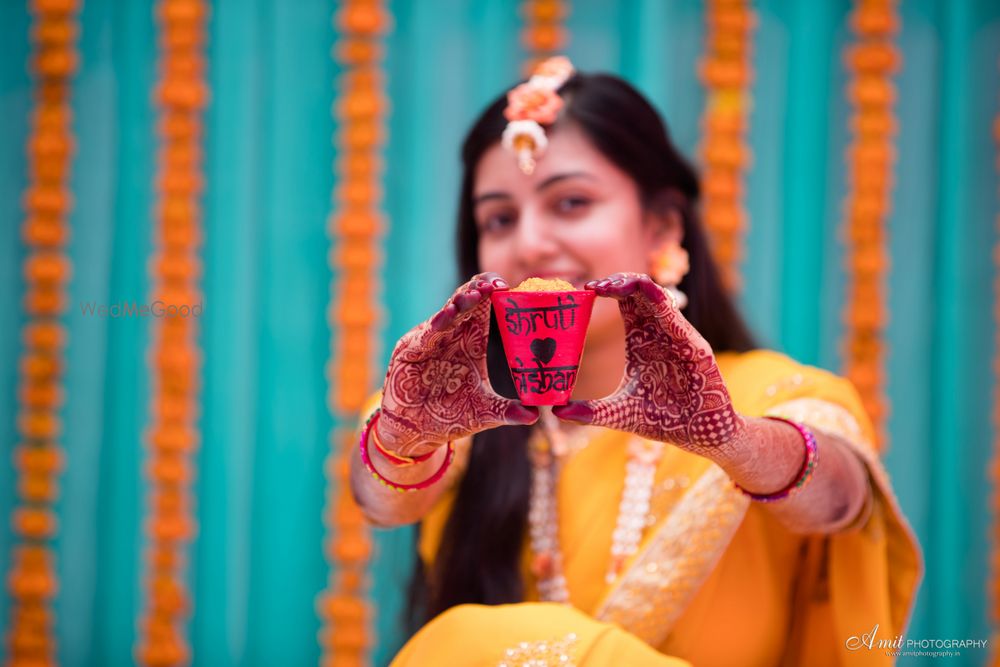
543	349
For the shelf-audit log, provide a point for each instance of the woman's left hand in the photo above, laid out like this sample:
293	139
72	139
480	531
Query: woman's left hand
672	390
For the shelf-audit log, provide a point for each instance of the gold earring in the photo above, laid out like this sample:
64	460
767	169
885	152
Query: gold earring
669	266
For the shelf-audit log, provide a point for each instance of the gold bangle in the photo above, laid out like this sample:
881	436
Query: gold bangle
398	460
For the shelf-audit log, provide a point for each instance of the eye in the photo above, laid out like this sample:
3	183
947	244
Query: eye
572	204
496	222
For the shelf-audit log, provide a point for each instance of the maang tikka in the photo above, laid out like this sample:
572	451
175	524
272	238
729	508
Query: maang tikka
532	105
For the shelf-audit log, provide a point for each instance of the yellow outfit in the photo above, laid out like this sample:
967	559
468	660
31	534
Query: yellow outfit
717	579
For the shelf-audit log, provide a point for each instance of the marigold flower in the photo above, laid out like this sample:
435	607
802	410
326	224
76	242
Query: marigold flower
532	102
552	72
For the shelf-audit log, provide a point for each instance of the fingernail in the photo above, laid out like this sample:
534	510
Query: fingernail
518	413
590	284
653	292
467	300
574	411
437	321
500	283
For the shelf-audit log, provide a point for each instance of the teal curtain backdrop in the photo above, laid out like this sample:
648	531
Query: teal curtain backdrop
257	564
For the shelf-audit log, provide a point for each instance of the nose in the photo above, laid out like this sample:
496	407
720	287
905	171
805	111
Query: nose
534	242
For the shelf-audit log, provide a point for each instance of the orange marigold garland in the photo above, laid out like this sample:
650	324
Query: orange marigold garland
356	228
38	458
544	34
726	73
872	60
172	435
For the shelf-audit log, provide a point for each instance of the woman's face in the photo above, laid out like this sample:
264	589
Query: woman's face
577	217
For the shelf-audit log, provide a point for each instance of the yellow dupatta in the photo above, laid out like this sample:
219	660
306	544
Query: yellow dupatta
717	580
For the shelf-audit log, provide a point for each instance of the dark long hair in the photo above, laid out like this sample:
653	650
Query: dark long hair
479	558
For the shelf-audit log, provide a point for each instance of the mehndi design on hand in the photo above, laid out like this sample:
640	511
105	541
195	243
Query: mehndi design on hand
672	390
437	387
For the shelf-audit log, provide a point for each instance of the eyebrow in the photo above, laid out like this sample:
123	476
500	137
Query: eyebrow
551	180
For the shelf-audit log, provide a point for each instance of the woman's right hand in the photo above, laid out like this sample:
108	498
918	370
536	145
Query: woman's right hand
437	387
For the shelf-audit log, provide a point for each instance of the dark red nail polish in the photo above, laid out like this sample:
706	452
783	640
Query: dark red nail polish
574	411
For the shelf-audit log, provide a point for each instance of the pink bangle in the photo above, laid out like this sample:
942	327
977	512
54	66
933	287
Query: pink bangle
395	486
395	459
805	473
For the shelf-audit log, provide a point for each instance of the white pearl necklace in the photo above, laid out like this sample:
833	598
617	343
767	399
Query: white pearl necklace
547	457
640	469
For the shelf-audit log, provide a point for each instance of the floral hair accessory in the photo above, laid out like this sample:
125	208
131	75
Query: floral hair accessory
530	101
531	105
553	72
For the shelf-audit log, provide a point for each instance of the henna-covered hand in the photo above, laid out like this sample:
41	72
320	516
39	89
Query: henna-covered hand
437	387
672	390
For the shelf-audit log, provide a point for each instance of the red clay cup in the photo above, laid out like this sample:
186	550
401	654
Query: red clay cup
543	335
